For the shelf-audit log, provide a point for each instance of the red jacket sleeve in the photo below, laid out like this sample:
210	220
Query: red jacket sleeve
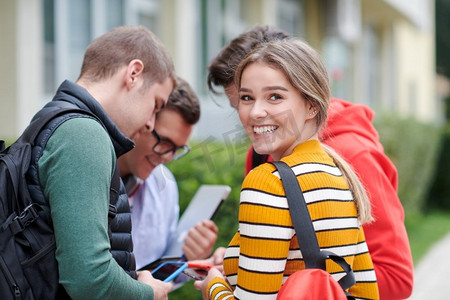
386	237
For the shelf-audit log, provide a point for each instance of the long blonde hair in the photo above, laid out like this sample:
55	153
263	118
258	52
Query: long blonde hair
359	193
304	69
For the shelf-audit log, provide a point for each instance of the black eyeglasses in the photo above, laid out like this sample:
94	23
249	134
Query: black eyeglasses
164	146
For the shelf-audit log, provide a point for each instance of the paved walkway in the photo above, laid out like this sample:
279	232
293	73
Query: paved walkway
432	273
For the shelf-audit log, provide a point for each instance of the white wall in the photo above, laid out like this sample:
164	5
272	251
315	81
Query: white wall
20	64
29	82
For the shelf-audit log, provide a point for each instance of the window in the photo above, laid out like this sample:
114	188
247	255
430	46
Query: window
49	47
371	61
70	25
337	58
290	13
221	22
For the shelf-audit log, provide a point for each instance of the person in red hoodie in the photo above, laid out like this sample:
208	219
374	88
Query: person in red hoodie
350	132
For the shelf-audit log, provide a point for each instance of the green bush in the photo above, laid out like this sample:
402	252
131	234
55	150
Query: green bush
213	163
439	195
413	148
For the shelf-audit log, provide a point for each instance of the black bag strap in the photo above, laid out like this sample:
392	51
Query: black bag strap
58	108
18	221
301	219
37	124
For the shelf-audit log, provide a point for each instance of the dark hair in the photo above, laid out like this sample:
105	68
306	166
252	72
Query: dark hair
222	67
184	101
119	46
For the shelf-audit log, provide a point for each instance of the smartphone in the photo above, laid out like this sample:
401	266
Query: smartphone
197	271
153	265
169	270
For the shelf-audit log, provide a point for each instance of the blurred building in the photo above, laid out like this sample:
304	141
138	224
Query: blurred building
378	52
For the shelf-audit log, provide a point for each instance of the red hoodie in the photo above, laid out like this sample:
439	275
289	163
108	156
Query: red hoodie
350	132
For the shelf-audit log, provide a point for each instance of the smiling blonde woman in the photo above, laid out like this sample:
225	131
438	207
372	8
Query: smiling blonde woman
283	101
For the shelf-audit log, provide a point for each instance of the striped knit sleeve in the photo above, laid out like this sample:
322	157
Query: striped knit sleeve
219	289
366	282
265	233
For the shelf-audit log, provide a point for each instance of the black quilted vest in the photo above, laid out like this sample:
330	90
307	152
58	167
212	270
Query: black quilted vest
70	94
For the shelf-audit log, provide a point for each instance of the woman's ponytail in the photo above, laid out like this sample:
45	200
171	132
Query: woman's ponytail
356	187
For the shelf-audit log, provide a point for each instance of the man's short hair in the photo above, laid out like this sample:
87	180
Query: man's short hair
222	67
119	46
184	101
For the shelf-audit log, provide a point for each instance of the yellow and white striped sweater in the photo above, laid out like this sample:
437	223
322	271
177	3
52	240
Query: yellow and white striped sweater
265	251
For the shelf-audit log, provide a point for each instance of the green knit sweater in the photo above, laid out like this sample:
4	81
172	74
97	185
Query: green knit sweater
75	172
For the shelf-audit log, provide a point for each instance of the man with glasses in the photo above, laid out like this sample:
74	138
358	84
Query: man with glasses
164	146
152	189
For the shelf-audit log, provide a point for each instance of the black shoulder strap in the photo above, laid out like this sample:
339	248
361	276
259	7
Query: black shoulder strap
301	219
36	125
306	236
25	210
58	108
51	110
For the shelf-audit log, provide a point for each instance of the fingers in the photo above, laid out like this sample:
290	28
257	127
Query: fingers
218	256
220	269
210	224
161	289
200	240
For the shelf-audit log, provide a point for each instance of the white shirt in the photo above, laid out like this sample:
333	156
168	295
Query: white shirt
154	215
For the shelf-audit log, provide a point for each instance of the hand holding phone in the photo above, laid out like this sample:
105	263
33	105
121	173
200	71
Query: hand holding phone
161	289
169	270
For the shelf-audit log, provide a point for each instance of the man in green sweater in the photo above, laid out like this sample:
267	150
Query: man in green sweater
126	77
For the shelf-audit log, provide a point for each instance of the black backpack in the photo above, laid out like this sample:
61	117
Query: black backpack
28	268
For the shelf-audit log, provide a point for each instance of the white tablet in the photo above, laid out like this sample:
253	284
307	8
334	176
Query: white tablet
203	206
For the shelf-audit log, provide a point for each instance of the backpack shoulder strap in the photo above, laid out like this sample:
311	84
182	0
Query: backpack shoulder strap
39	122
24	210
60	107
301	219
57	108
